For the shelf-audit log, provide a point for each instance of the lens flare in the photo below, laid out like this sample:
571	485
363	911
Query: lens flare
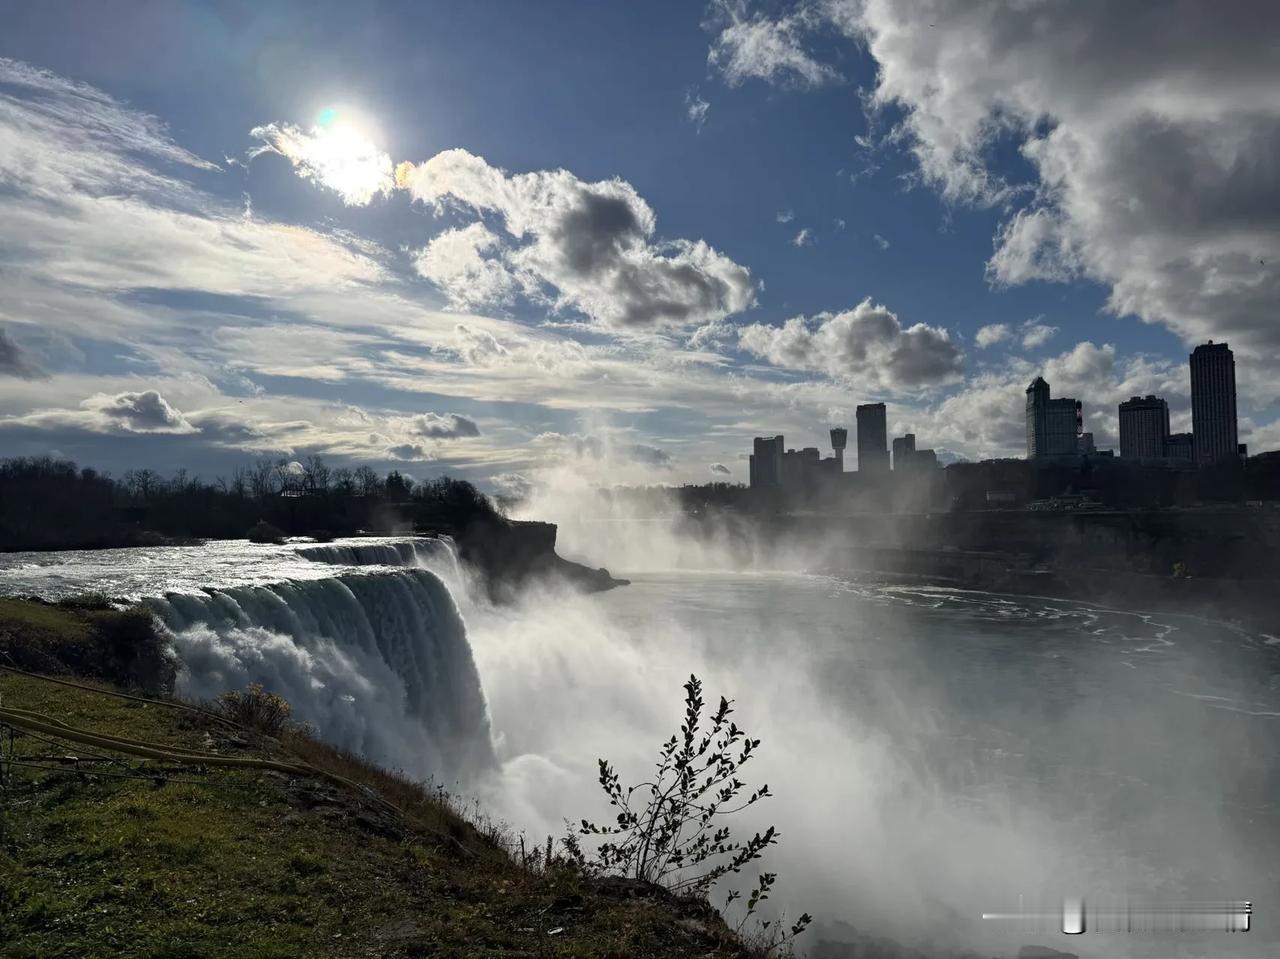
338	153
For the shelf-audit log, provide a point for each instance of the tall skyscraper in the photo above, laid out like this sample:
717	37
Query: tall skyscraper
873	439
765	462
1213	402
1144	427
1052	425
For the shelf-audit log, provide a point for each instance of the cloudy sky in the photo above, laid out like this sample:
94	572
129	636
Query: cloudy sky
494	237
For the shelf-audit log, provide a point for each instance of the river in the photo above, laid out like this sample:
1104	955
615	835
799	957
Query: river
933	753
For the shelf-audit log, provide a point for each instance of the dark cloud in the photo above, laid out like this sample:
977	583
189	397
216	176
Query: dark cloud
14	360
720	468
650	455
439	426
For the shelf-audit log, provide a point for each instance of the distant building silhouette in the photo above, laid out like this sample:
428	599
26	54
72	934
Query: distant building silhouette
1213	402
1053	426
765	463
904	448
800	467
1144	427
1085	445
873	439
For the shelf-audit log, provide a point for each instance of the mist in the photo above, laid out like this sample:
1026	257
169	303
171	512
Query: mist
933	754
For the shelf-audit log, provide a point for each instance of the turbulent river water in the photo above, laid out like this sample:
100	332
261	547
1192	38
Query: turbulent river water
934	753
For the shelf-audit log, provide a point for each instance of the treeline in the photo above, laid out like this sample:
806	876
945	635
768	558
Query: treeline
54	504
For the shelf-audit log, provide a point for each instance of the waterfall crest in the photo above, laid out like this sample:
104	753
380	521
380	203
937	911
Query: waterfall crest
379	662
425	552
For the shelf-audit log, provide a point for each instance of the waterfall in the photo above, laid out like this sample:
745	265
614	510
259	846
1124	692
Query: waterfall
378	662
425	552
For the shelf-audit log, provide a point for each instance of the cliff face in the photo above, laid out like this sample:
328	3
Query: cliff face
514	553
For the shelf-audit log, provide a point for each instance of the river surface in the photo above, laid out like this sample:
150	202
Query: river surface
933	753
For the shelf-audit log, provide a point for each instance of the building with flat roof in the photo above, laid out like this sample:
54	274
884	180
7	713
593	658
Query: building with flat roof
873	439
1213	402
765	462
1144	427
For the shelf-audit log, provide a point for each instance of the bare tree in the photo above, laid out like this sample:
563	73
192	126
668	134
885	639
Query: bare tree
368	483
315	474
262	479
344	481
142	483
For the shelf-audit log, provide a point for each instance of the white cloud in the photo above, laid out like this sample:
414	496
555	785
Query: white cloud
785	216
588	246
757	47
1036	334
803	238
866	344
880	241
145	412
455	261
696	109
991	334
1153	141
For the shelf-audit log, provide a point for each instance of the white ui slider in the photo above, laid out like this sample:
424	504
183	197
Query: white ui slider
1075	918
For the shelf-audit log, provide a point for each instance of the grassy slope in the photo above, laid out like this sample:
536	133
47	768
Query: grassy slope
252	864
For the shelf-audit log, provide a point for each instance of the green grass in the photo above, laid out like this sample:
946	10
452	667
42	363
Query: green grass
250	864
84	637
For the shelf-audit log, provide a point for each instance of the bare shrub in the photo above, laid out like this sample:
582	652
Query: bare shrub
670	829
255	708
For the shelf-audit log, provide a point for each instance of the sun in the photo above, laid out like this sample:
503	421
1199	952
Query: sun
340	153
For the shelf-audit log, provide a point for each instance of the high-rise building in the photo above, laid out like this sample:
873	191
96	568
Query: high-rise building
904	448
1144	427
765	462
1052	425
873	439
1213	402
839	440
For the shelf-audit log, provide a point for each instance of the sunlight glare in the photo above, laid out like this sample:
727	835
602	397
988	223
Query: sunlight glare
340	154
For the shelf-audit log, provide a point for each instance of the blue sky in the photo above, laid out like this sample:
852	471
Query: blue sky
622	238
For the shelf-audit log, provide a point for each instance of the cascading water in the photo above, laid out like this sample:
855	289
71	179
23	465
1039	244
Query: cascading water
422	552
378	662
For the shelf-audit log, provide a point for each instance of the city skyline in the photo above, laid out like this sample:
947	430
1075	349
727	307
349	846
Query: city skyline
382	244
